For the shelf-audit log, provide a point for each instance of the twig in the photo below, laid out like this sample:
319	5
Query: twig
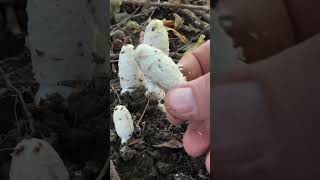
23	103
9	59
191	40
144	111
15	114
125	20
205	15
152	12
193	19
116	93
168	5
104	169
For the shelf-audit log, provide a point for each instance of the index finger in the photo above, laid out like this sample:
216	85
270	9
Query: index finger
197	62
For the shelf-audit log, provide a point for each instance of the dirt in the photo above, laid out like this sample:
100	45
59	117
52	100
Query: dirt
77	132
145	156
155	149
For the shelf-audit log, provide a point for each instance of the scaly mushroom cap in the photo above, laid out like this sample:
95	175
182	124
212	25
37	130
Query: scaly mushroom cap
123	123
159	67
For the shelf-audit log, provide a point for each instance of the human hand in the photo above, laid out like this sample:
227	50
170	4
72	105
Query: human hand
191	102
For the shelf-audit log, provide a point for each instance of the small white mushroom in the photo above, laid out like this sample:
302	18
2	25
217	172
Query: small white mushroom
156	36
129	74
159	67
36	159
123	123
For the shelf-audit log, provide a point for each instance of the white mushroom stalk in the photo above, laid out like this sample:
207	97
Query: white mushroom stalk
129	74
36	159
65	49
123	123
156	36
153	91
159	67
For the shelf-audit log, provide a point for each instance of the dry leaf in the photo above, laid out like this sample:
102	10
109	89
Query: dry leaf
182	38
135	141
168	23
173	143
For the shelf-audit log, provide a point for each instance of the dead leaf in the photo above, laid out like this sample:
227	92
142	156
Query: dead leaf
136	141
173	143
168	23
182	38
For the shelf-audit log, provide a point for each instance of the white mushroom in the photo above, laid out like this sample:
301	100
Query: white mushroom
129	74
153	91
156	36
61	49
159	67
36	159
123	123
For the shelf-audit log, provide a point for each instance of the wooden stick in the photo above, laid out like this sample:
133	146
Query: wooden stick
144	111
194	19
125	20
168	5
23	103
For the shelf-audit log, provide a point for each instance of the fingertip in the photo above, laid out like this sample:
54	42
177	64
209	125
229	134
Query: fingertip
173	120
196	140
190	67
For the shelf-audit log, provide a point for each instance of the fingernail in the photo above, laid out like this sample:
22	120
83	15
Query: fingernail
181	100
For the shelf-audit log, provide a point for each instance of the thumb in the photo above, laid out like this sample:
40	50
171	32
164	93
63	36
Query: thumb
190	101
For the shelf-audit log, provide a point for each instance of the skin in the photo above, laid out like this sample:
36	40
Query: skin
190	102
293	24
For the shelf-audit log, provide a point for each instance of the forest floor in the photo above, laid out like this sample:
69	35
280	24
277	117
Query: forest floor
78	132
155	150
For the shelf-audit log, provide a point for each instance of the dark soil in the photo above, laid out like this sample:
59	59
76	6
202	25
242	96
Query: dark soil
142	157
78	133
